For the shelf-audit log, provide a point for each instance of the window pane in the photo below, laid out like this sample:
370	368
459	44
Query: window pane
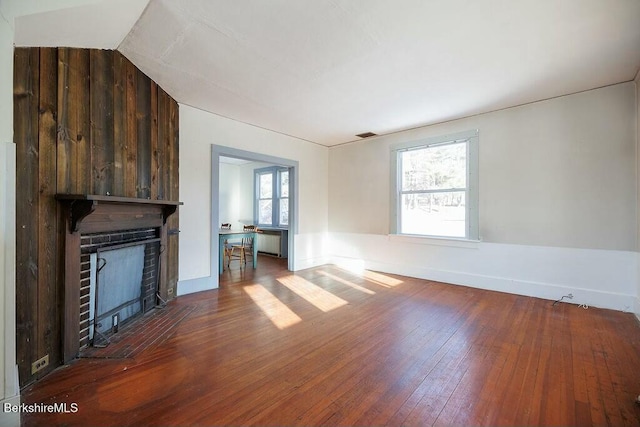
265	210
284	184
266	185
284	212
434	168
433	214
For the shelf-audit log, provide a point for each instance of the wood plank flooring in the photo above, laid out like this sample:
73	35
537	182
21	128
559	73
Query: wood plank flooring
328	347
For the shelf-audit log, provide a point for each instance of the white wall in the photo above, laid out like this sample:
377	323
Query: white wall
236	192
557	199
553	173
9	380
9	389
198	131
230	194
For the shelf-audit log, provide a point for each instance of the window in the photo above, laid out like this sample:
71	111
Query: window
436	187
272	197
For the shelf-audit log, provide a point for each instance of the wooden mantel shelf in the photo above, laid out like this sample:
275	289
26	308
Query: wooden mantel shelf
82	205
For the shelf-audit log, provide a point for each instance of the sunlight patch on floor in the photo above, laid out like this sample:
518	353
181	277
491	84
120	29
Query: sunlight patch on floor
314	294
380	279
357	267
278	312
348	283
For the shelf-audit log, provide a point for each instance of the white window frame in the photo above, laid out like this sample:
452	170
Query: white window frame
471	139
275	171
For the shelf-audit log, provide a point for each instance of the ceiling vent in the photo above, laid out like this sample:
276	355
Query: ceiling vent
366	135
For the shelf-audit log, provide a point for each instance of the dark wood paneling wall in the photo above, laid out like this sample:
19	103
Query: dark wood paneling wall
86	121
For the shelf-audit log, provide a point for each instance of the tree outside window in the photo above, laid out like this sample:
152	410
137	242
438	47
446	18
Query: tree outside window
272	197
436	187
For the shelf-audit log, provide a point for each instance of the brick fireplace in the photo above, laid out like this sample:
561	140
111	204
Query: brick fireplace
104	309
114	269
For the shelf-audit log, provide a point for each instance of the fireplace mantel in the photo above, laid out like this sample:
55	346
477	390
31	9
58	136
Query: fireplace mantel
86	214
83	205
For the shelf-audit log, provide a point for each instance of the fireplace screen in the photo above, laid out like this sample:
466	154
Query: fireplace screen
116	287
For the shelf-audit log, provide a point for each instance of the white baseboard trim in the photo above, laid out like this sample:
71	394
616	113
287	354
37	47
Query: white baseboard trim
310	263
10	418
548	291
199	284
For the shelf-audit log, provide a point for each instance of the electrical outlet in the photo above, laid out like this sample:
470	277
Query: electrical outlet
40	364
570	296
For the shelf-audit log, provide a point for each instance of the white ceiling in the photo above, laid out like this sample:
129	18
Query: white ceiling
73	23
326	70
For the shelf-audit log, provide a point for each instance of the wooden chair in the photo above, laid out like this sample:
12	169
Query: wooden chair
227	245
241	250
247	242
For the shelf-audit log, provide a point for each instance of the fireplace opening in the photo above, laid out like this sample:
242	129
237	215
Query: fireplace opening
119	282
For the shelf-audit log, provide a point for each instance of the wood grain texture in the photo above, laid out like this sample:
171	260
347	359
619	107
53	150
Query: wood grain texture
26	127
155	169
102	142
49	289
82	106
71	293
77	120
127	217
66	150
143	129
325	346
163	143
119	123
131	147
172	173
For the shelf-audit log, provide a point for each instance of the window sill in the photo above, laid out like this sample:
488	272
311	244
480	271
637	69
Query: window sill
435	241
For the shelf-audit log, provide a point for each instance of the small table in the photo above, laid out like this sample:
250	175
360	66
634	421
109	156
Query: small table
224	236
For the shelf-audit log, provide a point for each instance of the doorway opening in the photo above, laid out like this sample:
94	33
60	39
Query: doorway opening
235	203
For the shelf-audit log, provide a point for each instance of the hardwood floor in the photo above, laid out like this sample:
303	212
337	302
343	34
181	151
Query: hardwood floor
326	346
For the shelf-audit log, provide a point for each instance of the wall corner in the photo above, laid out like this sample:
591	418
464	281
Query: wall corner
10	392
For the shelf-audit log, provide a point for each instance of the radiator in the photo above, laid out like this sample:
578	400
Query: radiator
269	243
